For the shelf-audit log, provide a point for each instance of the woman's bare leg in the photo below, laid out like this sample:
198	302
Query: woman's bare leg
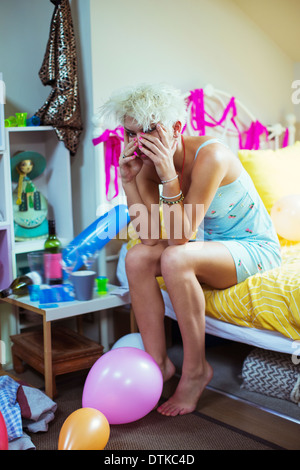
142	267
182	267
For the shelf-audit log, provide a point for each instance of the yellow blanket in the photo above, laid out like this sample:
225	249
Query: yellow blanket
269	300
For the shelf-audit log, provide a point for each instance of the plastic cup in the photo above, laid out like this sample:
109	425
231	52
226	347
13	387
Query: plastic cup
34	292
11	121
36	263
33	121
21	119
101	282
83	282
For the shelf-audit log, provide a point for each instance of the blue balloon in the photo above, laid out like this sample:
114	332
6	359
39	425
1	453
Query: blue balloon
95	236
132	340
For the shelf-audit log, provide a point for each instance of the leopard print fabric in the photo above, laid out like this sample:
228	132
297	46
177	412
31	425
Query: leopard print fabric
59	70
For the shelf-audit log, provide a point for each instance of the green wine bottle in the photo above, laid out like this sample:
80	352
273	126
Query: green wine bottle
52	256
19	285
52	244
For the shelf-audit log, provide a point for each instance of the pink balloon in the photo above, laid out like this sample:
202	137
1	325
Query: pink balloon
3	434
124	384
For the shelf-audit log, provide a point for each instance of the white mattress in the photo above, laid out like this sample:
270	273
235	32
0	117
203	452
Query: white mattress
259	338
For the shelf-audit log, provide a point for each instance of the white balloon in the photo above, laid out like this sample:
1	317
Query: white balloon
132	340
285	215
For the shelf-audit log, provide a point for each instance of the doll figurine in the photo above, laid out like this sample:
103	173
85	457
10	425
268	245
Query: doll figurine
30	207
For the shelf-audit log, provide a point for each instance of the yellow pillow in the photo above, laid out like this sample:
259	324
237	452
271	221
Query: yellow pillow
275	173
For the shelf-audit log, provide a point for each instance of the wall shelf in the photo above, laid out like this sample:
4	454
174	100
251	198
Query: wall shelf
54	184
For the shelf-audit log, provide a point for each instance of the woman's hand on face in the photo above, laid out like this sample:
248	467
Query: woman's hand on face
160	150
129	164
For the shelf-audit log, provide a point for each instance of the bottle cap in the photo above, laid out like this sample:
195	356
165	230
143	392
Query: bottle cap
5	293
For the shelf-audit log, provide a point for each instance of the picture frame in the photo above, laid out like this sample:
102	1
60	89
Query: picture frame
2	101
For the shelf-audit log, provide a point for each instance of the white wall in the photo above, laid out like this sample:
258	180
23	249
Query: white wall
24	32
189	44
83	164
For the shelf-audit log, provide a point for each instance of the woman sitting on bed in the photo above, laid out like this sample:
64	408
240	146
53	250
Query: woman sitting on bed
205	191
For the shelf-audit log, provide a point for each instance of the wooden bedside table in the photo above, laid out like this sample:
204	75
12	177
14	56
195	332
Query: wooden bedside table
36	349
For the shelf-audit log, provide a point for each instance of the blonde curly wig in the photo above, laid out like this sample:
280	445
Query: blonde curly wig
147	104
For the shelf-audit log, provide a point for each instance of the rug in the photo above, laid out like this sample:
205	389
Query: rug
194	431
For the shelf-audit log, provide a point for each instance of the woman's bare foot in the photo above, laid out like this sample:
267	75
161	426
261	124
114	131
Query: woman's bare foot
168	369
187	394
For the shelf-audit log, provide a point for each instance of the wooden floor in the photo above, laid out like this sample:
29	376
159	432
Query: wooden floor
248	418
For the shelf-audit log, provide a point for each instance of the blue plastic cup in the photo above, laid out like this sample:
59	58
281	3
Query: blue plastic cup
34	292
83	282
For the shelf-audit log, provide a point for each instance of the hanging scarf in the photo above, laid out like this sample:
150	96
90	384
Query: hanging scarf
59	70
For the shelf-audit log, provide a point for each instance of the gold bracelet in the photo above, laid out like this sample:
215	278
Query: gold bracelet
165	201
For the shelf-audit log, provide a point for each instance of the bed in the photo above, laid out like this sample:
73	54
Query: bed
264	310
250	312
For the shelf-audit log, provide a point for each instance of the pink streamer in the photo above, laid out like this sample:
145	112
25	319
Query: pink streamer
198	113
196	99
112	149
199	122
285	142
200	119
253	135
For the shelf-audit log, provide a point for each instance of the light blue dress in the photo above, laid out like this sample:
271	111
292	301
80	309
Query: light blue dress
238	219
